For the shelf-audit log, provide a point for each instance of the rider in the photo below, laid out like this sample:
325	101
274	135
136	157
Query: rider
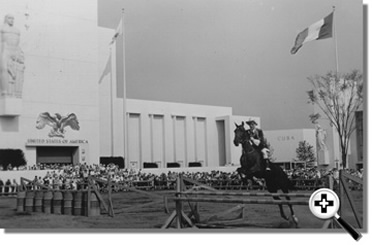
257	137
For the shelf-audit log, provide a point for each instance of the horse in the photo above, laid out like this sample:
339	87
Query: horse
252	166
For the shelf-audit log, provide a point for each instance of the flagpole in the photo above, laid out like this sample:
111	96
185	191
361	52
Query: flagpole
336	142
111	107
334	33
124	95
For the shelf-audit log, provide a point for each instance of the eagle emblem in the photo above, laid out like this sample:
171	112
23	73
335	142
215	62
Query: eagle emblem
58	123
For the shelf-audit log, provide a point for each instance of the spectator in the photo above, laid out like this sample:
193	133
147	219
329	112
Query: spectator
15	186
8	183
1	186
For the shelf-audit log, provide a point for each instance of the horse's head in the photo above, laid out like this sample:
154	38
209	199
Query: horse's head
240	134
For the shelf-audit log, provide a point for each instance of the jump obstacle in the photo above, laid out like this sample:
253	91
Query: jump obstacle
35	197
87	201
194	195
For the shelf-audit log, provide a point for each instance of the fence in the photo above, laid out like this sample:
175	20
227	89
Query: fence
154	184
188	191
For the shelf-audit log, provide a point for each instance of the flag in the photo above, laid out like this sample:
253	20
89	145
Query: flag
118	39
319	30
120	76
106	71
118	32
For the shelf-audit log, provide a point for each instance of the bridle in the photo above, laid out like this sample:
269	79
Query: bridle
246	140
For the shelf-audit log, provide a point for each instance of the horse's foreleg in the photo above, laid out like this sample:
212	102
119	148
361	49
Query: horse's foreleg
243	176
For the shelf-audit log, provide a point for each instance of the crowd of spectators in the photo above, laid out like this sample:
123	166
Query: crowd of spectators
38	166
75	176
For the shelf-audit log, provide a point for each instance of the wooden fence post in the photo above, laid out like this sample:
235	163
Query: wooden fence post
179	203
342	191
330	178
111	208
346	191
88	197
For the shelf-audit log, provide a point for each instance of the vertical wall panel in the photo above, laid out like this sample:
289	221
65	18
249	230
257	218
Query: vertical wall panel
201	141
134	137
221	143
180	140
158	140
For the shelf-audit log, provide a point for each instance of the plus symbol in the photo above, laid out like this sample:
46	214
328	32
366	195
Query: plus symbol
323	203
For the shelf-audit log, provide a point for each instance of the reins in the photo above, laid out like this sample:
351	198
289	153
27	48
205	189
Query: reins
247	140
249	152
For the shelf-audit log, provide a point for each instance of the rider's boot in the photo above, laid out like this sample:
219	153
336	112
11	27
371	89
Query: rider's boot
267	162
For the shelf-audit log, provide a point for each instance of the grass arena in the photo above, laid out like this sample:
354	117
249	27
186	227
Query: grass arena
131	208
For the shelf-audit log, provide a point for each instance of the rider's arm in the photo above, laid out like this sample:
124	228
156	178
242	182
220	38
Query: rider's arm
255	141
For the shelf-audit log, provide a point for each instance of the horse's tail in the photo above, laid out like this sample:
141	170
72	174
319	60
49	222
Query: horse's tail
291	185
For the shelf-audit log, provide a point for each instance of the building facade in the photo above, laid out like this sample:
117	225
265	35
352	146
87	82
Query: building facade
175	135
285	142
50	110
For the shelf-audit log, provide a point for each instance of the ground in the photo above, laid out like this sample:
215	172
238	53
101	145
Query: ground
154	216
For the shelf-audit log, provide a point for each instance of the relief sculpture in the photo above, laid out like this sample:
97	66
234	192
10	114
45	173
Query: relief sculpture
12	61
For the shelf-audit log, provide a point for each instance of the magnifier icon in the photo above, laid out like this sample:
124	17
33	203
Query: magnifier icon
324	204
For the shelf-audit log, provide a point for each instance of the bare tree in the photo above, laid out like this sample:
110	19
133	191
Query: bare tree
338	96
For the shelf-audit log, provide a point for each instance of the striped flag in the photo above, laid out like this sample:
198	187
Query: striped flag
319	30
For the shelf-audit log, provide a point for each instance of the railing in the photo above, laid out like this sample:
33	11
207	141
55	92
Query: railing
141	185
154	184
8	190
229	184
309	184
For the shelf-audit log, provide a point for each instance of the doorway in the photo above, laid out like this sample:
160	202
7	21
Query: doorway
56	154
221	143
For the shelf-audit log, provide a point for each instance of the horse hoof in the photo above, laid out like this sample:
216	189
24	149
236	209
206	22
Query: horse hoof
295	220
285	217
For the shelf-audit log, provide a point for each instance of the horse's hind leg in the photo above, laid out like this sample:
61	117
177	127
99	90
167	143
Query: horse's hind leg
281	208
290	206
294	218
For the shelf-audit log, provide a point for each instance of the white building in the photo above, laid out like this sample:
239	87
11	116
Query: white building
60	50
170	134
285	142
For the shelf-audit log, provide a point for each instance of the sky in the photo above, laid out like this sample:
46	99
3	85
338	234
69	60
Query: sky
234	53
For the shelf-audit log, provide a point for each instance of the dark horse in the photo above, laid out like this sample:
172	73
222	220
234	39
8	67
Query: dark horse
251	166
